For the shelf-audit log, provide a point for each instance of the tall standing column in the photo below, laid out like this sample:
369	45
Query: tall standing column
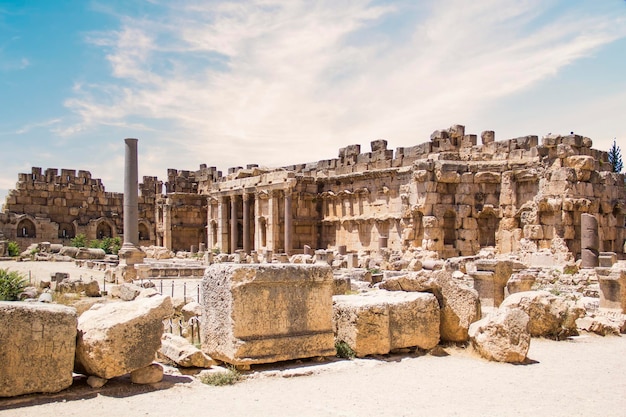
288	219
130	254
233	224
131	185
246	222
222	223
167	225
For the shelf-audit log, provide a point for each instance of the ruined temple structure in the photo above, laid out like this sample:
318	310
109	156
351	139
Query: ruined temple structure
449	195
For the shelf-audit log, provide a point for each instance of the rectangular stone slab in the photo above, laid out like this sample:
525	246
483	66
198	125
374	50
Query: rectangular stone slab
263	313
37	347
378	322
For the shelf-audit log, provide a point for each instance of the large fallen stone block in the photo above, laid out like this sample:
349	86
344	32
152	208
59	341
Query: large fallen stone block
263	313
180	351
460	306
550	316
117	338
502	336
37	346
381	321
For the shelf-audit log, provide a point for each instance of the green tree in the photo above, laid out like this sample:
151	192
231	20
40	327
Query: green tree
615	157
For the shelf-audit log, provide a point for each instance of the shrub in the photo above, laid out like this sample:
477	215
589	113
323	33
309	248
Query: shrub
12	283
218	379
13	248
80	241
344	350
110	245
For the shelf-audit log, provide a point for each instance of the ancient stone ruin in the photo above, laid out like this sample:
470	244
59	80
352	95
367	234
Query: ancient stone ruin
447	242
450	195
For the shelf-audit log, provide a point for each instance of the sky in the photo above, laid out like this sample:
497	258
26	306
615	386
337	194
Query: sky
279	82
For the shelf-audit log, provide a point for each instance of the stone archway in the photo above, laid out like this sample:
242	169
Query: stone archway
67	231
26	228
144	232
104	230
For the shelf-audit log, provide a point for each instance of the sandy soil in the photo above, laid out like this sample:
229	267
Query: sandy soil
584	376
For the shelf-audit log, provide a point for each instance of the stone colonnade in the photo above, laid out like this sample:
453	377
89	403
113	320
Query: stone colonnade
251	221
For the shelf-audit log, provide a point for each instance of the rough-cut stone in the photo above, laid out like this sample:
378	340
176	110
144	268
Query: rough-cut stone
412	282
96	382
460	306
263	313
550	316
520	282
192	309
602	325
378	322
37	345
613	290
180	351
150	374
117	338
502	336
92	289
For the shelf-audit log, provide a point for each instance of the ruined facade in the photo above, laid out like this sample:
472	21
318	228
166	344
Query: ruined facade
449	195
56	207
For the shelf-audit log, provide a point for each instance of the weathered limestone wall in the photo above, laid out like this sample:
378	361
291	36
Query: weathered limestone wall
56	206
452	195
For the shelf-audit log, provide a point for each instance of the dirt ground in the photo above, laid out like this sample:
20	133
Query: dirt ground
583	376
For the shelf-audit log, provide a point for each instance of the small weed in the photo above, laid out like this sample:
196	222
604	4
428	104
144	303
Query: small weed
344	350
67	299
218	379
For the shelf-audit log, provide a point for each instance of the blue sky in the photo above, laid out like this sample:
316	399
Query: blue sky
228	83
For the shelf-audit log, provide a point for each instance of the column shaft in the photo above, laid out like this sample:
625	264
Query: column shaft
131	185
233	224
288	219
246	223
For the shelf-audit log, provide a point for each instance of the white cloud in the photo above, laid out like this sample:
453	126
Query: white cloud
293	81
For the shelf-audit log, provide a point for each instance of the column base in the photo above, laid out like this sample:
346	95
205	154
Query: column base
129	255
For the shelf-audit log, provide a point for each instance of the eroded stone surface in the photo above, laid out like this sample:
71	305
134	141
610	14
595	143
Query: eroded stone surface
117	338
261	313
380	321
502	336
549	315
37	346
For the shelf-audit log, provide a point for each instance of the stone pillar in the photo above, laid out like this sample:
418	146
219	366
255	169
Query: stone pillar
288	221
233	224
589	240
246	222
222	224
272	222
131	184
130	254
167	226
257	223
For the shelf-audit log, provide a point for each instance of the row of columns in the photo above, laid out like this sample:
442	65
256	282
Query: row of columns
233	238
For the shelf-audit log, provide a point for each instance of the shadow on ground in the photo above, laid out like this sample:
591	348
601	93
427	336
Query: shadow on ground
118	387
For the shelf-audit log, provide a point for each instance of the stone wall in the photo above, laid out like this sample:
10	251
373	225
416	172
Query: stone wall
450	195
56	206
